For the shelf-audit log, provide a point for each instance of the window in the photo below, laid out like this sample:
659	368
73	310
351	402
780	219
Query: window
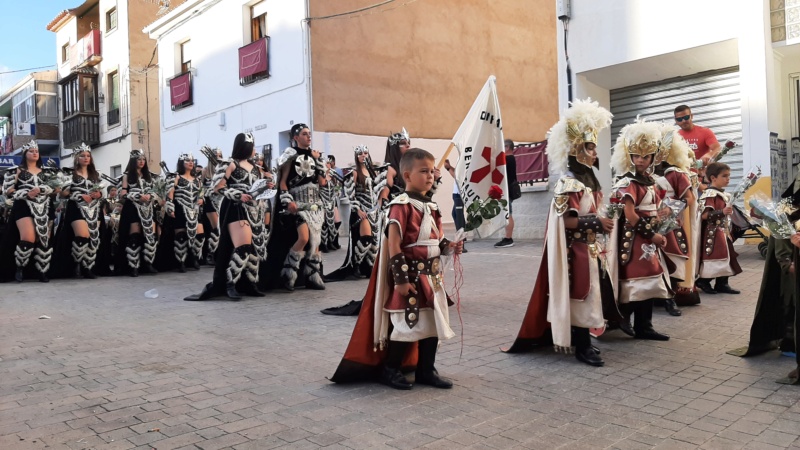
79	95
46	111
65	53
186	56
113	98
111	19
116	171
258	21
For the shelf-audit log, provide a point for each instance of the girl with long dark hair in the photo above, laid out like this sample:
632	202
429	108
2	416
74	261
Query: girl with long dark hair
236	256
137	232
30	213
83	217
183	208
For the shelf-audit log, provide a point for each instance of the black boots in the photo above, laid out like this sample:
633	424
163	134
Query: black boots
723	287
704	284
671	307
426	372
643	321
391	375
236	266
22	256
585	352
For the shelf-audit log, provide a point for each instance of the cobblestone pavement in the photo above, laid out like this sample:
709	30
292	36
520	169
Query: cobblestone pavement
113	369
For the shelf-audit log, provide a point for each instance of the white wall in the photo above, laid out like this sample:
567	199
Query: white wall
618	43
266	108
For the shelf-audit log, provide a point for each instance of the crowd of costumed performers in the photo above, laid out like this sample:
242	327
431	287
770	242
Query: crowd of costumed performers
658	236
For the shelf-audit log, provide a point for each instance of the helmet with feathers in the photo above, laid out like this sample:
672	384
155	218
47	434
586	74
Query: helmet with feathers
579	125
640	138
674	149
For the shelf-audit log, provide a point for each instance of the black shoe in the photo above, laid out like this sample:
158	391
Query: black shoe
464	250
596	350
705	286
182	268
134	272
626	327
395	379
589	357
433	379
672	308
43	278
87	273
323	248
726	289
19	275
77	273
650	335
196	264
148	268
232	293
351	308
251	290
505	242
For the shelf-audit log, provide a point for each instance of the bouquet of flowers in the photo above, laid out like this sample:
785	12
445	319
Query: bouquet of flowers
730	145
747	182
669	223
485	209
53	178
773	217
160	187
97	187
613	209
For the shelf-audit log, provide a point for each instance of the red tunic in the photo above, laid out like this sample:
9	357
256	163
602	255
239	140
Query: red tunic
578	252
680	184
410	218
645	199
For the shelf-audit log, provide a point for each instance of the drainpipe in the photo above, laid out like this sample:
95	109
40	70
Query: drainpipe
308	66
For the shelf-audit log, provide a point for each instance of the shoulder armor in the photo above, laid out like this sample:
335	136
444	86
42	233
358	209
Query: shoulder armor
710	193
286	155
402	199
676	169
622	183
567	185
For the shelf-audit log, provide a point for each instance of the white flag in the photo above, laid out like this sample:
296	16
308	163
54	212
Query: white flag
482	160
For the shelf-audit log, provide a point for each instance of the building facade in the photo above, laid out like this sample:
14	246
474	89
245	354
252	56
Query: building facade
249	75
738	73
108	77
28	112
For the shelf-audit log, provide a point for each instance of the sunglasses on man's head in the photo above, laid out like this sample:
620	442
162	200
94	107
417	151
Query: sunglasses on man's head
683	118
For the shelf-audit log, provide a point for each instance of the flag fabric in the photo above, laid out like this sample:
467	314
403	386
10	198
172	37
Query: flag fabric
482	159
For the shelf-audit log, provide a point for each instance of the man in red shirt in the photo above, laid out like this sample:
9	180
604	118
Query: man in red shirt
700	139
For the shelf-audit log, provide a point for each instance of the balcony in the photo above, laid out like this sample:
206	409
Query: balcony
86	52
254	62
180	91
81	128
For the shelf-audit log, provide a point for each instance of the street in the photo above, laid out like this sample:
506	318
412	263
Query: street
111	368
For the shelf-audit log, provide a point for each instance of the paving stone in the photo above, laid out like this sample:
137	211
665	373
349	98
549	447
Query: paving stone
251	375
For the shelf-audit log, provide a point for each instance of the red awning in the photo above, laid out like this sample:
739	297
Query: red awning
180	89
531	162
253	59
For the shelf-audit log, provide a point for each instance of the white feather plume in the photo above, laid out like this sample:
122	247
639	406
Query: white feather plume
583	115
678	153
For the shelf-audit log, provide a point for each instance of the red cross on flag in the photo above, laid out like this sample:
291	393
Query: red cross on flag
482	160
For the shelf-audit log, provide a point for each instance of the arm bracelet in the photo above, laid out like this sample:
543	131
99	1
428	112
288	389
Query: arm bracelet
586	223
169	207
286	198
716	215
231	194
444	247
399	268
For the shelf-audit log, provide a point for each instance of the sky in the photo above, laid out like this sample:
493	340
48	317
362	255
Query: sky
27	43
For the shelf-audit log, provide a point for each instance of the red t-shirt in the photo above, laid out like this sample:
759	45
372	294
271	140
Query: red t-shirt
699	139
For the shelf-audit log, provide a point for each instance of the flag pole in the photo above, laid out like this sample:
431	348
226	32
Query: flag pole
444	157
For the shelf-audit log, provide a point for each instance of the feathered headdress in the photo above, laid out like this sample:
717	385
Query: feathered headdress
579	125
674	148
395	138
638	138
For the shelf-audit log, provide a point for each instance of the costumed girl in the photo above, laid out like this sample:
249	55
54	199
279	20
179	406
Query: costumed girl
297	228
137	238
575	286
82	226
673	177
330	201
642	268
261	229
183	208
28	232
237	261
211	203
363	185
